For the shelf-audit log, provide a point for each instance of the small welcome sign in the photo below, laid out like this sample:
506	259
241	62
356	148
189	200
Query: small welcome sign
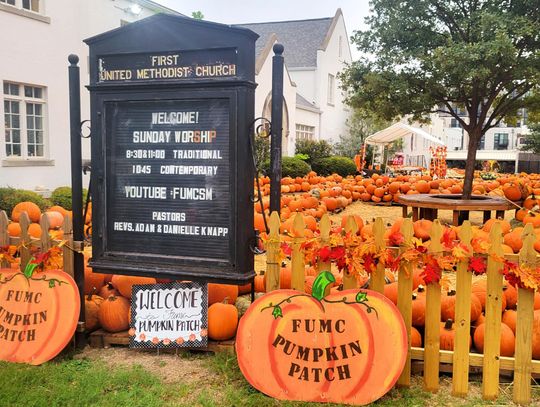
348	347
169	316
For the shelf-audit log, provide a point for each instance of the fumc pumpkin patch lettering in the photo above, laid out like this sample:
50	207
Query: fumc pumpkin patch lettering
18	327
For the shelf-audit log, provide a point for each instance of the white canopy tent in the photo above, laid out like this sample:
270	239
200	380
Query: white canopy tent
416	154
397	131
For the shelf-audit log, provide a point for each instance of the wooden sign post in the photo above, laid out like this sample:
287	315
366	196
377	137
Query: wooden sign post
172	99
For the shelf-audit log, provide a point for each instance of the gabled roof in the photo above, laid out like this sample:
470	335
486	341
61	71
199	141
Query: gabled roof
301	38
305	104
397	131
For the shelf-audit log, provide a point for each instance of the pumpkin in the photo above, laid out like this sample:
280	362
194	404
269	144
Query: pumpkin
418	309
59	209
391	292
220	292
536	335
33	211
479	288
416	338
285	277
509	317
124	284
222	321
107	290
370	351
508	340
242	303
14	229
92	303
244	289
34	230
448	306
447	333
53	330
510	293
56	219
260	283
308	284
422	228
113	314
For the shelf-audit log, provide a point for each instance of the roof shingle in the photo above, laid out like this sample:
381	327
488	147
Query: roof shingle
301	39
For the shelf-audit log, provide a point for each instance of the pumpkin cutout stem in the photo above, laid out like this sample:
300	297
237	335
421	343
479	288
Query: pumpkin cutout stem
29	274
320	284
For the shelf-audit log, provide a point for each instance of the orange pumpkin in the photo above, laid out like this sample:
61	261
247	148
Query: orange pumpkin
56	219
391	292
276	371
107	290
33	211
419	309
14	229
510	293
536	335
448	306
222	321
416	338
509	317
447	333
124	284
52	298
260	283
508	340
220	292
92	303
113	314
422	228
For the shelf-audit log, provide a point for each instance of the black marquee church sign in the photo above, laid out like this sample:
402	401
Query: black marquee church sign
172	100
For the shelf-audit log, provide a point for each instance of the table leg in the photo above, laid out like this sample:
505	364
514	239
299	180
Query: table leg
414	214
405	211
487	216
455	218
499	214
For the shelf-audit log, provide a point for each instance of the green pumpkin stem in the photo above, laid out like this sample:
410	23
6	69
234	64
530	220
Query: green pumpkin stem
321	283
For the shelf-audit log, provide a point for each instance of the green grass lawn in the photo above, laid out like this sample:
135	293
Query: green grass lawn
80	380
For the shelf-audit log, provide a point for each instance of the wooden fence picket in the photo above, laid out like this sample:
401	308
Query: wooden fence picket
524	324
67	249
492	332
376	282
4	236
25	241
404	302
273	248
433	318
45	242
460	364
349	280
298	267
324	238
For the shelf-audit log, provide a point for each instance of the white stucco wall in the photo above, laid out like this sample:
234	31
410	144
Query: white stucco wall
263	94
334	116
37	55
306	81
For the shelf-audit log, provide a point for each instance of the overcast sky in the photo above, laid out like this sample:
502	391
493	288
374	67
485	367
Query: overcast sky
255	11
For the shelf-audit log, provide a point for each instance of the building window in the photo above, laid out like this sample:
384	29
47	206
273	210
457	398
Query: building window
454	123
331	86
482	143
304	132
24	118
32	5
500	141
11	2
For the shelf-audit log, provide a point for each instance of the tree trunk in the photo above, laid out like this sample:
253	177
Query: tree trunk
474	138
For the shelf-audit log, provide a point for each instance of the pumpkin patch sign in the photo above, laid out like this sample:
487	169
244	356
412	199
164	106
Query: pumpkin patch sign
38	314
348	347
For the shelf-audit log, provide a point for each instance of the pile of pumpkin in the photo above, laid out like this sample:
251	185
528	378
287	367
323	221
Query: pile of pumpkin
108	302
478	304
315	195
55	218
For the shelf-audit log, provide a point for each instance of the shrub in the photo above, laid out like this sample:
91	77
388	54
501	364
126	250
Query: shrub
315	150
340	165
9	197
62	196
290	167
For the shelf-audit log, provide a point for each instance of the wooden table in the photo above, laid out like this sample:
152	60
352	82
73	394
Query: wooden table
426	206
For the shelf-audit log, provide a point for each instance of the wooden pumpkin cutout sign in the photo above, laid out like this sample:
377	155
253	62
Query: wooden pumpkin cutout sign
348	347
38	314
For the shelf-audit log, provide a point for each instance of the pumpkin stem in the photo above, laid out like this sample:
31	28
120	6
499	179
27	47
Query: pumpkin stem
451	293
321	282
448	324
225	300
420	288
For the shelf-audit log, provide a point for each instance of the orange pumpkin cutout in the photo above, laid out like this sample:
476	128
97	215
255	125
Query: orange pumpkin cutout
45	308
348	347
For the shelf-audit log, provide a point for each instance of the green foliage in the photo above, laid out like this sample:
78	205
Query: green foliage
294	167
533	139
197	15
315	150
9	197
262	150
430	56
340	165
62	196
